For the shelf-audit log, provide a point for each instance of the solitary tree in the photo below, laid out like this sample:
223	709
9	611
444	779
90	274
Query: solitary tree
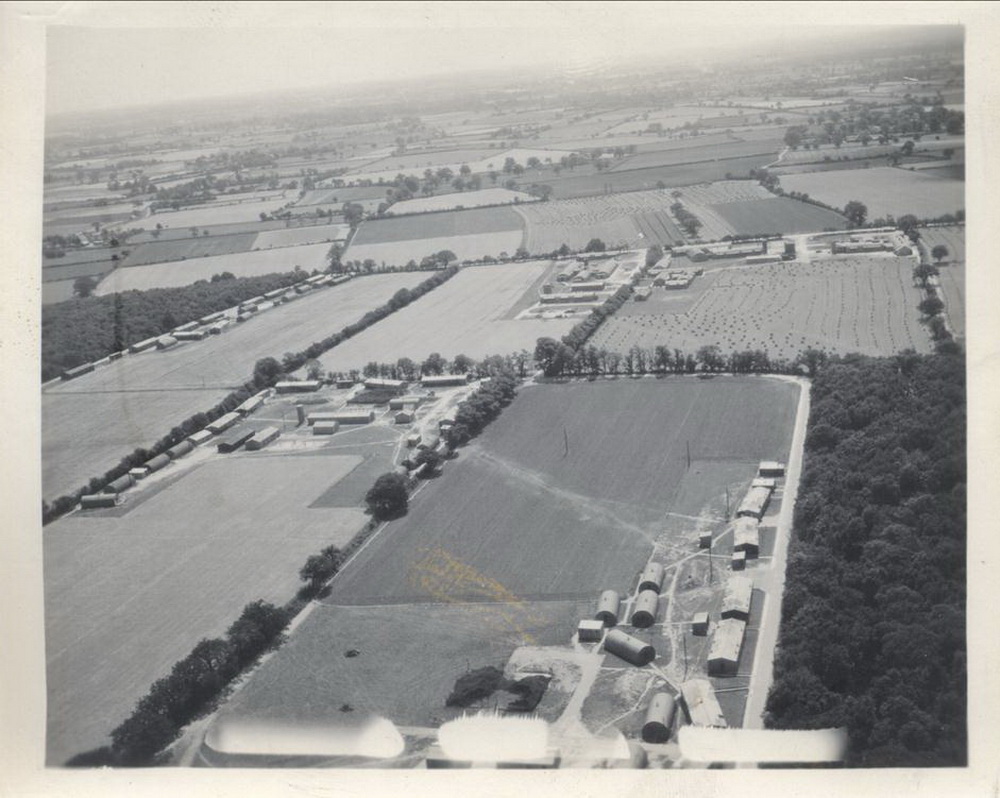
266	372
939	253
319	568
856	213
84	286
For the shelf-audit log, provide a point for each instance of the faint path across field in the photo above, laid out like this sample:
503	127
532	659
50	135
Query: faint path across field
772	579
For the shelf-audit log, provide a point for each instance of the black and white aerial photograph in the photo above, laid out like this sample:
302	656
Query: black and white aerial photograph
500	386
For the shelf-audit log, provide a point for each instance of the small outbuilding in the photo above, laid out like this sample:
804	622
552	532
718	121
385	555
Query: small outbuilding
771	468
659	718
755	503
652	577
234	441
190	335
156	463
181	449
78	371
200	437
404	417
631	649
251	404
724	652
738	561
608	607
413	439
764	482
122	483
94	501
737	598
262	438
700	704
138	473
300	386
590	631
222	423
746	536
699	624
646	604
705	540
444	380
165	342
325	427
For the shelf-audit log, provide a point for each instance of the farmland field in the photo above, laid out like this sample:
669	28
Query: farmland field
466	247
952	272
190	247
858	304
713	152
140	397
778	215
295	236
241	264
438	225
57	291
549	504
884	190
409	659
207	215
175	568
470	314
461	199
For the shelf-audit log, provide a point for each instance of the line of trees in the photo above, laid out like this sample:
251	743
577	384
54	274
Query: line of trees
482	407
873	617
192	688
81	331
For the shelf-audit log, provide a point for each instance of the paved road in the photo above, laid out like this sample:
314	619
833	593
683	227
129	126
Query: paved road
771	579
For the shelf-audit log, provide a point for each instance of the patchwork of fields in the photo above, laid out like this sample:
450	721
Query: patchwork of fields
90	423
884	190
470	314
178	566
841	305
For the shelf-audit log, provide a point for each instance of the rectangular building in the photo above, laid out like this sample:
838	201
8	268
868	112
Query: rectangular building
299	386
746	536
444	380
771	468
234	441
590	631
755	503
737	598
222	423
701	705
262	438
724	652
200	437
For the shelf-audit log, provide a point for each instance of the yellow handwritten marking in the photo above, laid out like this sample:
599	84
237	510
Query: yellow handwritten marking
452	581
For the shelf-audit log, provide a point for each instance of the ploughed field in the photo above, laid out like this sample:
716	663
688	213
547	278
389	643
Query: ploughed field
131	590
90	423
471	314
864	304
563	495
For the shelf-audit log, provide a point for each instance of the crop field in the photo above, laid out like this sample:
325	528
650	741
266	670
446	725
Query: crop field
568	185
470	314
409	658
339	195
241	264
296	236
548	503
841	305
711	152
70	271
658	227
141	397
952	272
461	199
466	247
489	161
434	159
207	215
191	247
173	569
438	225
884	190
778	215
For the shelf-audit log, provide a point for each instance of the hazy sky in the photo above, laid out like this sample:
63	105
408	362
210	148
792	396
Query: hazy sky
102	55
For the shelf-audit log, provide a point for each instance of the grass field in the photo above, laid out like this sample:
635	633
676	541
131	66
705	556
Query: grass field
711	152
204	216
470	314
409	659
461	199
138	399
859	304
241	264
176	567
952	272
552	502
472	246
884	190
295	236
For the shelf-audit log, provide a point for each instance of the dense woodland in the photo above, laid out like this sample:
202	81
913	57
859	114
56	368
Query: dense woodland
873	619
83	330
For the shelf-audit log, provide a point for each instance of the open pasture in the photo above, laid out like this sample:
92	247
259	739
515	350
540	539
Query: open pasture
409	659
426	159
884	190
696	154
207	215
465	247
90	423
241	264
952	272
470	314
336	196
199	246
564	494
461	199
865	304
296	236
176	567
